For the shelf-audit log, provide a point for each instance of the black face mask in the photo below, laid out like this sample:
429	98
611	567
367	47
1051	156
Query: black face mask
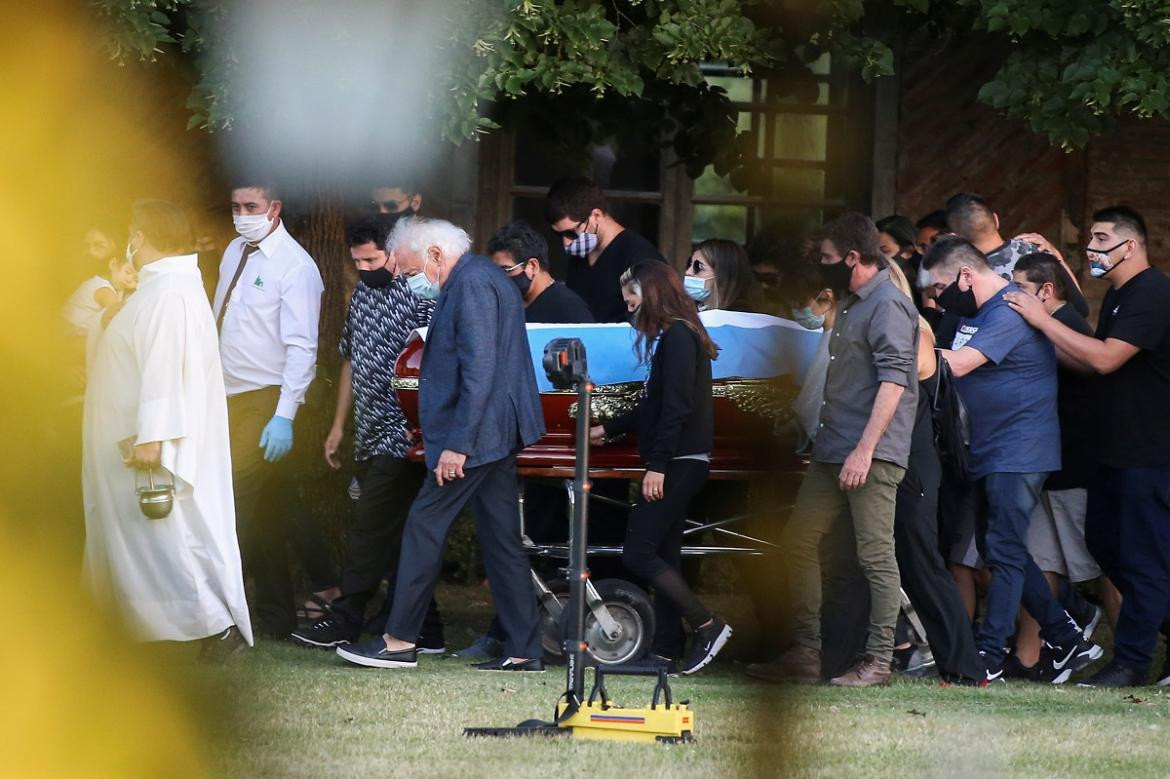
836	276
377	278
956	301
522	282
387	221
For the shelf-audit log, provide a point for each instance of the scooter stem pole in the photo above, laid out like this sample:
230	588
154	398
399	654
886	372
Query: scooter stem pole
578	542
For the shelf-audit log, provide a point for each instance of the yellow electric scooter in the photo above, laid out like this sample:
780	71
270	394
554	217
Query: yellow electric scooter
596	717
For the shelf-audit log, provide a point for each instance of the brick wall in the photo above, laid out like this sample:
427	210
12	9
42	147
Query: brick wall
949	142
1131	166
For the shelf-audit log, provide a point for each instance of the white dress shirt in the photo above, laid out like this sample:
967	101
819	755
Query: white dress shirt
269	334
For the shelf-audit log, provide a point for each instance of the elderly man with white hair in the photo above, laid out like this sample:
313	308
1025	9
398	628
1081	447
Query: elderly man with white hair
478	405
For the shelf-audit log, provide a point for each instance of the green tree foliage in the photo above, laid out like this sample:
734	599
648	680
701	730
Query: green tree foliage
1078	65
1072	67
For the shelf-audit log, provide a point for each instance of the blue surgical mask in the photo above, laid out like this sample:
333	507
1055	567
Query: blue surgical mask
421	286
807	319
696	288
582	245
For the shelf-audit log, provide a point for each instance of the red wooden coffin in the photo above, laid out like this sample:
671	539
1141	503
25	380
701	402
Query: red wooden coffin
749	413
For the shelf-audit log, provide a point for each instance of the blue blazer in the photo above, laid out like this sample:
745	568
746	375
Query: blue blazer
477	389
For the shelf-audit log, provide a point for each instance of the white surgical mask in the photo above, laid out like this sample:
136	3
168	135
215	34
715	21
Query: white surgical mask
696	288
253	227
421	286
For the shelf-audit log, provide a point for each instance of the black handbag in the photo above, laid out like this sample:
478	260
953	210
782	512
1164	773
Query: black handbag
952	427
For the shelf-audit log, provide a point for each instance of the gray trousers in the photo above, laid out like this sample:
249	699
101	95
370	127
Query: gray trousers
492	491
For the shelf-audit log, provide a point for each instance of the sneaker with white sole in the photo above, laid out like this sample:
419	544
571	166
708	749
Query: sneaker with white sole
1067	660
708	642
324	634
375	654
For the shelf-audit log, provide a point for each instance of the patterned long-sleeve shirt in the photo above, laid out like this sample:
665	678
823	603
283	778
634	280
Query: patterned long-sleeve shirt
376	328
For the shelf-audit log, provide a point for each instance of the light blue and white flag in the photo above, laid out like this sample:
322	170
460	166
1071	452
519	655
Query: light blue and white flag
751	346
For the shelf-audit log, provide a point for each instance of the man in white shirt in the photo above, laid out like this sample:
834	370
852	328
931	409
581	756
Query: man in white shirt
267	307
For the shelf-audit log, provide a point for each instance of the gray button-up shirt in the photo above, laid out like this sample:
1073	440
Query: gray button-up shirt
874	340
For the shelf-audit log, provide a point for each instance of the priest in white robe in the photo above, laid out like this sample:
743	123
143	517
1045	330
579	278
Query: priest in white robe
155	400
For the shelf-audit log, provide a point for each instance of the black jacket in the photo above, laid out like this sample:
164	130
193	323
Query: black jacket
675	415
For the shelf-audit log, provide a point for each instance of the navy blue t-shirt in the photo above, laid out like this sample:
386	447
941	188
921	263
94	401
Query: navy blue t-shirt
1011	399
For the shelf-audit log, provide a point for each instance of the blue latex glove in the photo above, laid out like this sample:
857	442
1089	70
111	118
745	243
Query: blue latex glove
277	438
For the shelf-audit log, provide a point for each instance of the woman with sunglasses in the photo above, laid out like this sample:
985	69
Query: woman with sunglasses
719	277
674	421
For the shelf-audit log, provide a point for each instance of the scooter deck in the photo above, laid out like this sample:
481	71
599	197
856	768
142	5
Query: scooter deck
672	723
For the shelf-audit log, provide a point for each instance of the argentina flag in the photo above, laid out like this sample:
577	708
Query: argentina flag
751	346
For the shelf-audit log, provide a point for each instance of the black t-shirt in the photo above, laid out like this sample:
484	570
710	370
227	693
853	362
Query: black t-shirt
1074	407
599	285
1133	406
557	305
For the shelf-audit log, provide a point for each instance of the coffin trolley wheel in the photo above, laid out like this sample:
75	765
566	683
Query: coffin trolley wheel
629	607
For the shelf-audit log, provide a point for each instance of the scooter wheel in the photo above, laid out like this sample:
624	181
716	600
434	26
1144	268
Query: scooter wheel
630	607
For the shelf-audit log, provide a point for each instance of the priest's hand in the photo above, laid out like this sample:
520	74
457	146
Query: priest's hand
597	435
145	457
277	438
450	466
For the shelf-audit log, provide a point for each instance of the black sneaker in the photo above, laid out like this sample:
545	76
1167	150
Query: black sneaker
222	648
431	645
483	648
324	634
1067	660
994	672
1014	669
707	643
1114	675
535	665
374	654
1087	616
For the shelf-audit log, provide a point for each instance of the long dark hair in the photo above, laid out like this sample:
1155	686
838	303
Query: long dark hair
736	287
664	302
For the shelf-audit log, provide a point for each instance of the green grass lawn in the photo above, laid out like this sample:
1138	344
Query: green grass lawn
296	712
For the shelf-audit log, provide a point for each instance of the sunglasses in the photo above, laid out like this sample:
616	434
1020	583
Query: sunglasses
576	231
392	206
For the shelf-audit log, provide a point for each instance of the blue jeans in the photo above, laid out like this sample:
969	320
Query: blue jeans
1015	577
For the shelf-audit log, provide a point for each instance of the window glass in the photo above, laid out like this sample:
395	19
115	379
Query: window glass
720	221
800	136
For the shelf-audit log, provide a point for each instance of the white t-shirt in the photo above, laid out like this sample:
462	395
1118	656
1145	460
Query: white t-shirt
81	309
